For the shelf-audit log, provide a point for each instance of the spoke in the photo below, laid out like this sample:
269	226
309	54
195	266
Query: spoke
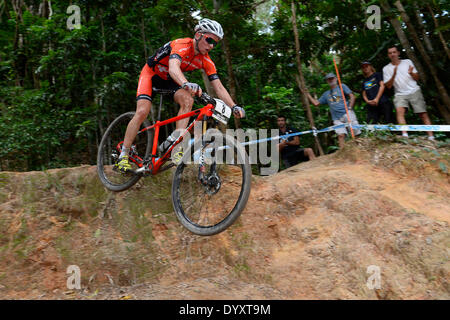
191	203
200	210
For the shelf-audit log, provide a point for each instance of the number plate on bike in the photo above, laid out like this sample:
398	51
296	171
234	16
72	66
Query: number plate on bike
221	112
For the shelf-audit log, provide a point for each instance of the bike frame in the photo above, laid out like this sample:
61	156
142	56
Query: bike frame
156	163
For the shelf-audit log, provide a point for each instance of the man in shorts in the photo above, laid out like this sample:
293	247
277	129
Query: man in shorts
403	76
333	98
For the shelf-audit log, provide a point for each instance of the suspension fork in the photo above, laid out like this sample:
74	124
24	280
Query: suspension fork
202	168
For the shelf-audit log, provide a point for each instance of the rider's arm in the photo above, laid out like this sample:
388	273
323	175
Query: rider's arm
175	71
222	93
177	75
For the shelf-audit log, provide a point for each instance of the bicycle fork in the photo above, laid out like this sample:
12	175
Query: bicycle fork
202	168
210	181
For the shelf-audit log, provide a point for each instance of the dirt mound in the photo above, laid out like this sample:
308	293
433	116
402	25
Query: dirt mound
309	232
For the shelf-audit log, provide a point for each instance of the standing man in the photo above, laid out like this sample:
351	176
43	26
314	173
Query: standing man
378	103
333	98
289	148
403	76
165	70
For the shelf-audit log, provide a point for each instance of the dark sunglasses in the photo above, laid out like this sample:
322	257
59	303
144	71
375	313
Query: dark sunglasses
211	41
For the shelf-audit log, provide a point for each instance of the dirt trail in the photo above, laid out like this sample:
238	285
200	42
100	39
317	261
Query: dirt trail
309	232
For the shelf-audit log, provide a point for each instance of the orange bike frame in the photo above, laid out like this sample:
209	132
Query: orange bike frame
206	111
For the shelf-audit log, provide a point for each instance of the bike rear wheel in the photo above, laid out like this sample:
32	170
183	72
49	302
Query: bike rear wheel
109	151
209	206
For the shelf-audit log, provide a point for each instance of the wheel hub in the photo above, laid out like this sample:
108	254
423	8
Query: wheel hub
213	183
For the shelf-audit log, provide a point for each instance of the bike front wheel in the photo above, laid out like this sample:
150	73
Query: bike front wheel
211	185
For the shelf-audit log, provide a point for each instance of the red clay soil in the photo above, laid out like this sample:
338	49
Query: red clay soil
309	232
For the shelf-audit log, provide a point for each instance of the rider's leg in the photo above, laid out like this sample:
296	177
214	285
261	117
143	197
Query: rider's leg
143	105
142	110
185	100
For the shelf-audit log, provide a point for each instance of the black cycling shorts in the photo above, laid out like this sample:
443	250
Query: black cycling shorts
149	80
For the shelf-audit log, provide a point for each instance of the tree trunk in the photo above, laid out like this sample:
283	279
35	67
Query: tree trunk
441	37
100	101
300	79
44	9
404	40
440	86
231	77
421	24
217	4
144	40
442	110
16	4
103	31
232	80
258	84
209	88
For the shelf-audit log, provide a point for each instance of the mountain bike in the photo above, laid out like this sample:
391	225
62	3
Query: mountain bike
211	183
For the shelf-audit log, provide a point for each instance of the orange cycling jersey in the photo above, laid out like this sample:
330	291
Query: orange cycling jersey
156	71
183	50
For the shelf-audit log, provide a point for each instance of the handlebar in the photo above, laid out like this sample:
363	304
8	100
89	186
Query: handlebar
206	99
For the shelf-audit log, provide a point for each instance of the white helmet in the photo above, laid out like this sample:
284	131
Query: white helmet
209	26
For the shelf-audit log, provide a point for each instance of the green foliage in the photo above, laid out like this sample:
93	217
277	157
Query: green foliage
60	88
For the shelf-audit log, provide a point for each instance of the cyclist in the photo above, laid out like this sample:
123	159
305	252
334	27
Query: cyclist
164	70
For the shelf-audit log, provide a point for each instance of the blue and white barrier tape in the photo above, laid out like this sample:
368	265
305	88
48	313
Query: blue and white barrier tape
370	127
422	127
314	131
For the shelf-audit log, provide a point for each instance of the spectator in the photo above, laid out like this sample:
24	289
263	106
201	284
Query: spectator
289	148
378	103
403	76
333	98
